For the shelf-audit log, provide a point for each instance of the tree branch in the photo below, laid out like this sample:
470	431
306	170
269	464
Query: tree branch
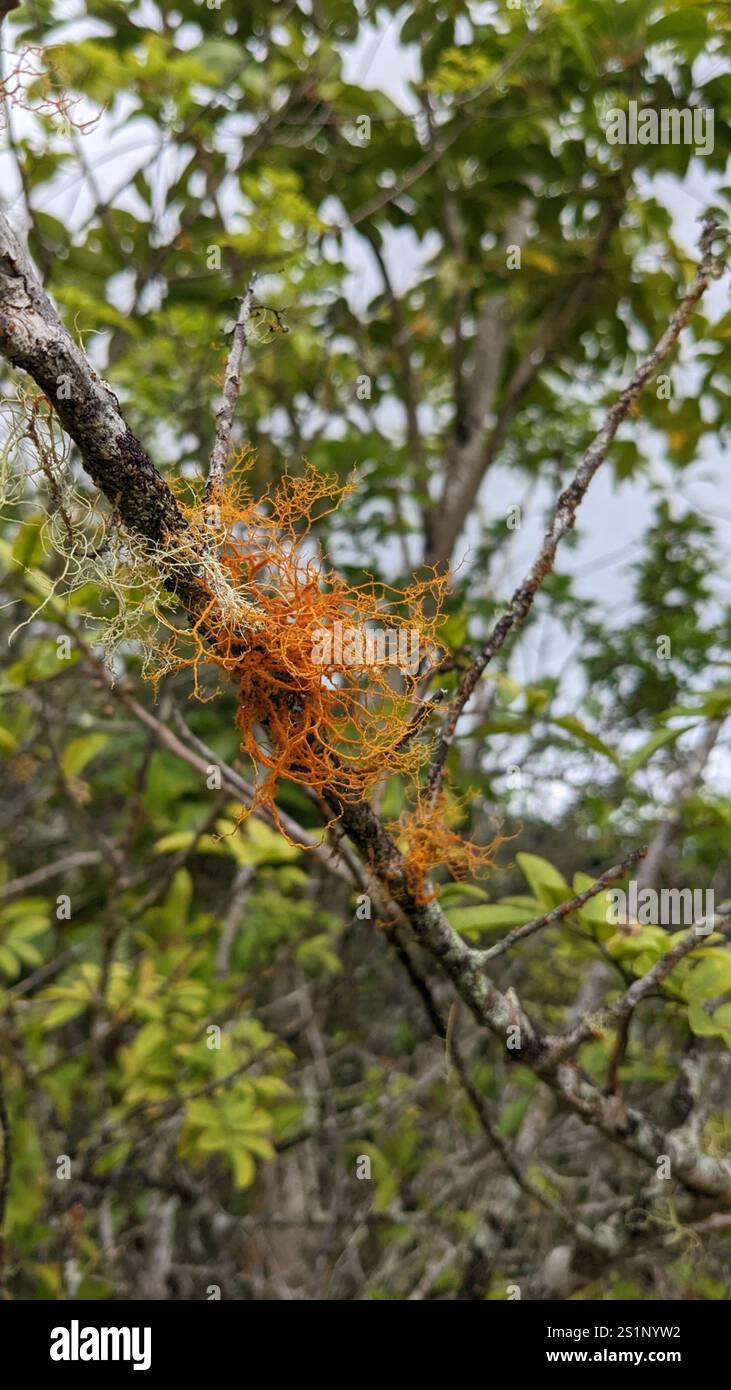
558	913
564	517
231	388
473	460
647	984
32	337
76	860
667	828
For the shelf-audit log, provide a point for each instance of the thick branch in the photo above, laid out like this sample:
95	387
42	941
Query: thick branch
698	1171
33	337
464	965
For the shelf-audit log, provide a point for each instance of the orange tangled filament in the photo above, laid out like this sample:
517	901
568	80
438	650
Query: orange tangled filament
327	672
432	843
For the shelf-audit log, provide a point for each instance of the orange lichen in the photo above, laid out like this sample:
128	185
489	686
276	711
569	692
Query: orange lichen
328	672
432	842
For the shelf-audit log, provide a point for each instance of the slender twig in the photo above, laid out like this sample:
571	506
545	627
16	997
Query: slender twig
619	1053
421	716
666	830
45	972
231	388
446	1029
647	984
434	153
563	909
564	517
59	866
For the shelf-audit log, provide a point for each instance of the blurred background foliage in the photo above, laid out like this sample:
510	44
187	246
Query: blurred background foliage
208	143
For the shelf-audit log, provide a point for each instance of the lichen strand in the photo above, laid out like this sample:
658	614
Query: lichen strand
323	700
432	842
98	549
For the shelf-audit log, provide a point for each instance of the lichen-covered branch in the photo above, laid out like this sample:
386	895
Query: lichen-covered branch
33	337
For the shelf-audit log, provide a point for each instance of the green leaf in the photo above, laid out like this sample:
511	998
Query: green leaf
574	726
656	740
512	1116
705	978
549	886
8	743
594	912
41	663
681	25
450	894
706	1025
221	57
490	917
9	963
316	956
578	42
81	751
642	948
184	839
28	547
254	843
